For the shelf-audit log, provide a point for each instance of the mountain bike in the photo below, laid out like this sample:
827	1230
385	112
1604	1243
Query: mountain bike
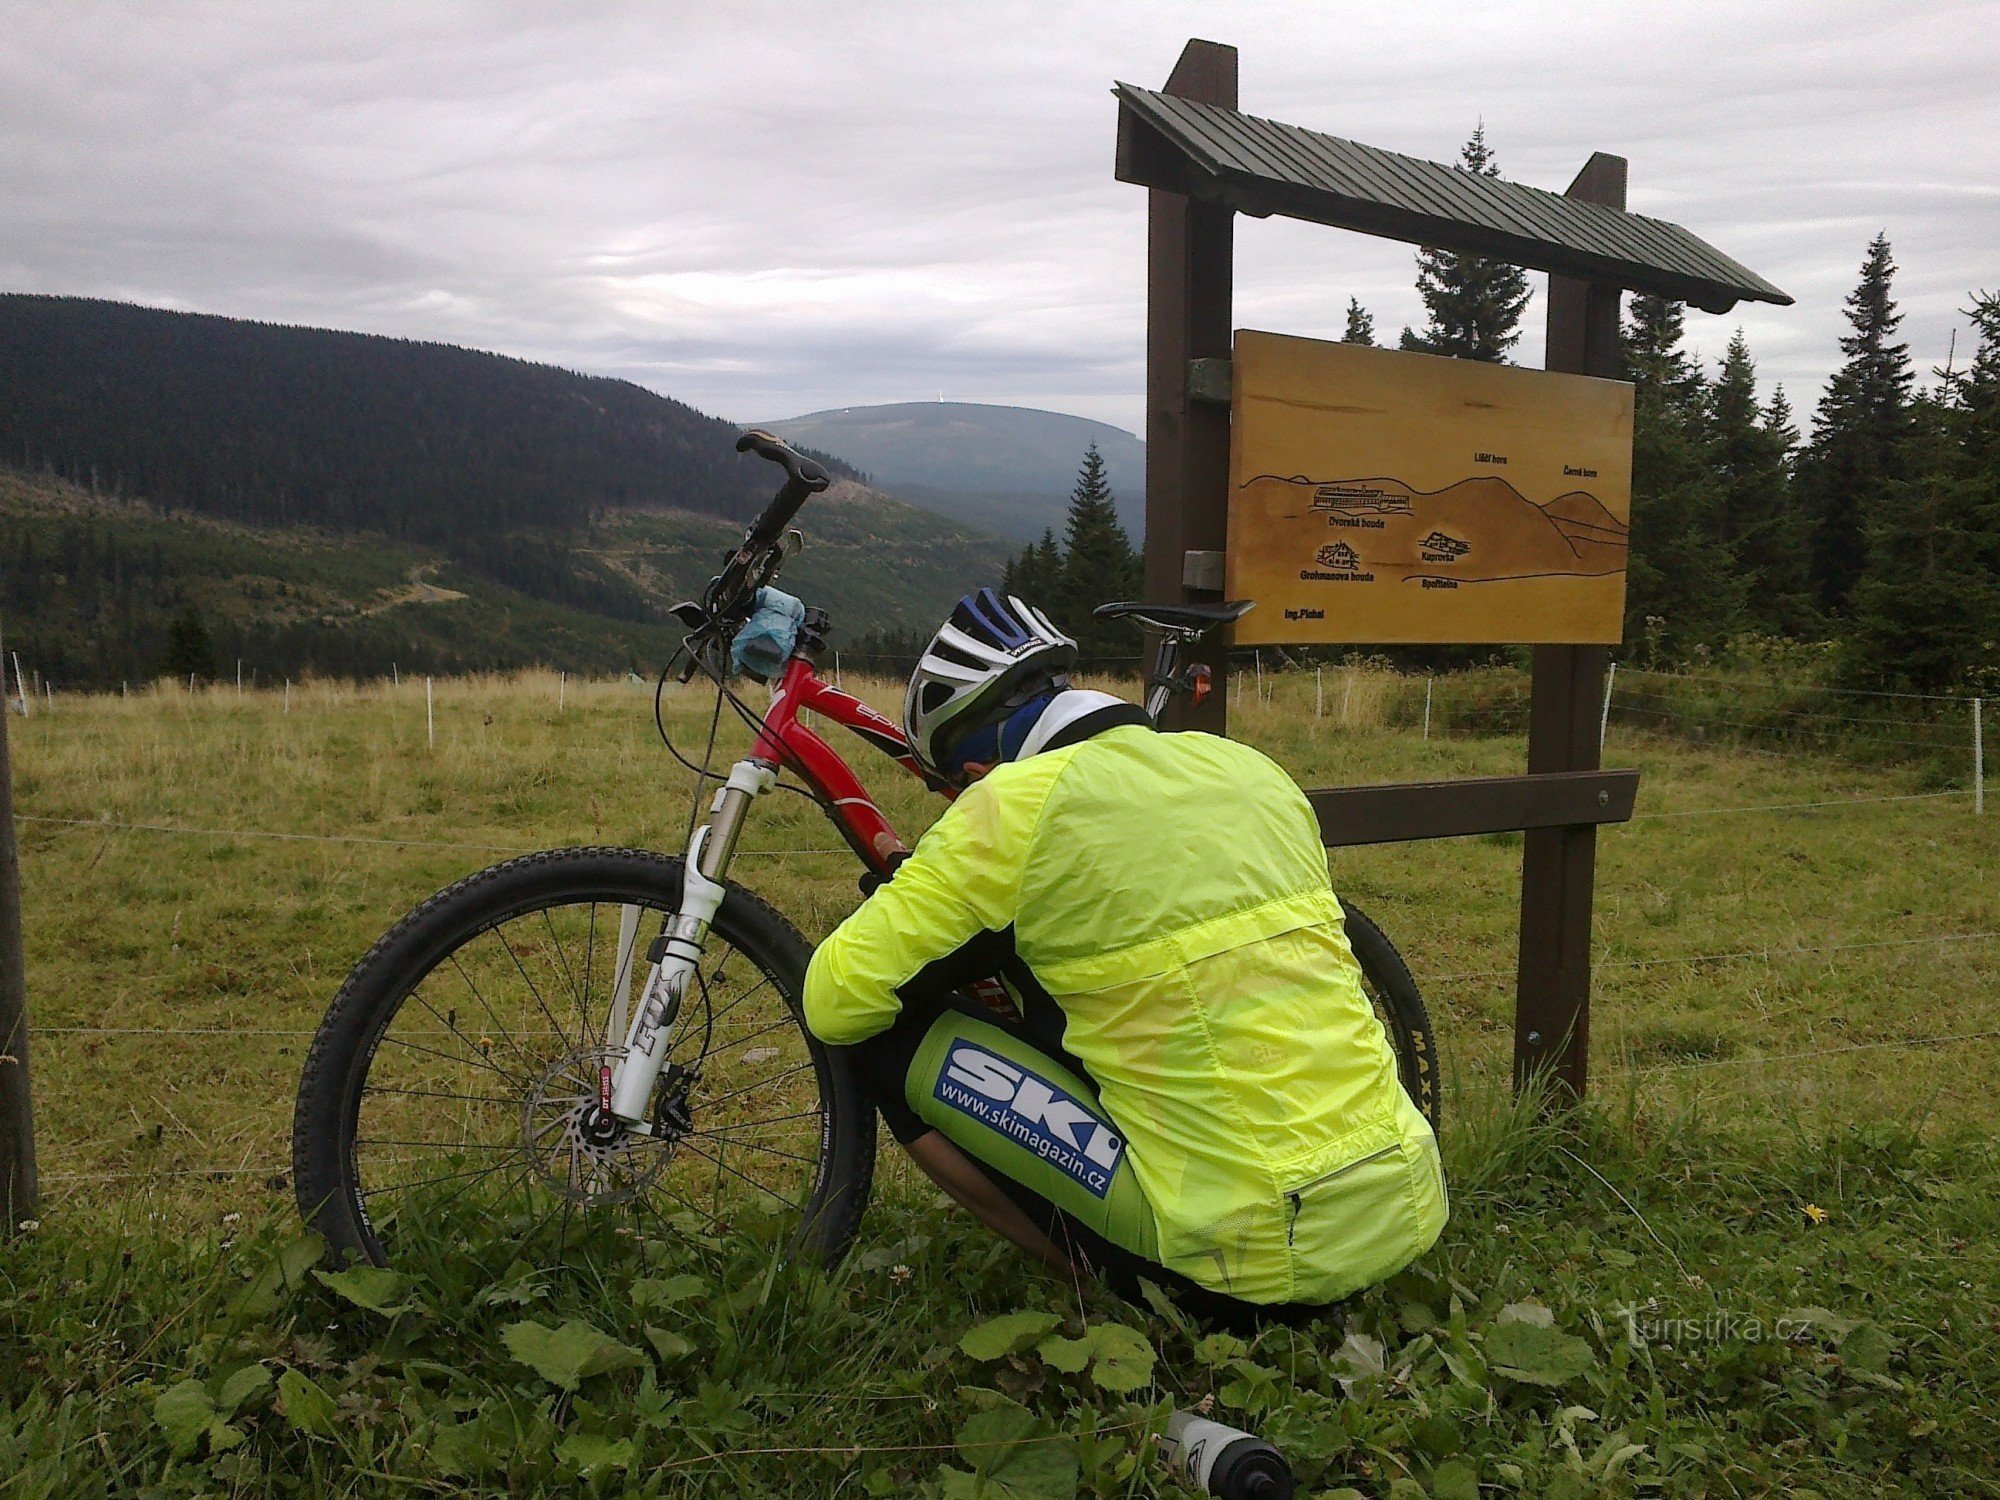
593	1035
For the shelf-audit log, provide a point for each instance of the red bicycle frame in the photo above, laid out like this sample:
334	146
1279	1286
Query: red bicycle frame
784	741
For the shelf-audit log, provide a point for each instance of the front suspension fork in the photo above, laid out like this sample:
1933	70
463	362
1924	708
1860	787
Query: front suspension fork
676	953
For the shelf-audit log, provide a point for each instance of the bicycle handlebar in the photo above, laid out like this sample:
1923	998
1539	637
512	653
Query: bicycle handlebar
803	478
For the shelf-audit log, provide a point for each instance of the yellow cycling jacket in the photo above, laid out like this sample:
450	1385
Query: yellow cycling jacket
1170	892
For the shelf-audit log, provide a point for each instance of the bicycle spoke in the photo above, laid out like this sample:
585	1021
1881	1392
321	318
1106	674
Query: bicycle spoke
761	1031
760	1083
760	1187
804	1114
480	1061
761	985
491	1014
562	958
753	1146
409	1187
442	1145
583	1003
547	1014
384	1088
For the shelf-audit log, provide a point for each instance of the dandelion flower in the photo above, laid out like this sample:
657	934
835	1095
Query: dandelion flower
1814	1212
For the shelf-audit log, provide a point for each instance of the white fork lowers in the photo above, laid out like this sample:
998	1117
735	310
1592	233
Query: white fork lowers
626	1090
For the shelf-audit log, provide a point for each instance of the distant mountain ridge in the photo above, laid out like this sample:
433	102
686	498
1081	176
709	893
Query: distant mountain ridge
1008	469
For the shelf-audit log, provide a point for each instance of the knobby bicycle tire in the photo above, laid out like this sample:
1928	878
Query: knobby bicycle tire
445	933
1401	1007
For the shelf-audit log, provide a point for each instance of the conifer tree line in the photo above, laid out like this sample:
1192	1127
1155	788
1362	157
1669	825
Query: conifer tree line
1876	533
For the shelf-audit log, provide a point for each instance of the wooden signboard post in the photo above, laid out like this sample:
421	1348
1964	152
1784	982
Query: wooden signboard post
1328	439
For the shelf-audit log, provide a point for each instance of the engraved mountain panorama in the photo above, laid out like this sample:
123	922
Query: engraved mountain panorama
1479	530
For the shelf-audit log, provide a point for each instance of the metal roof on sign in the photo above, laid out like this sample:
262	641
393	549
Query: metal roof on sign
1262	167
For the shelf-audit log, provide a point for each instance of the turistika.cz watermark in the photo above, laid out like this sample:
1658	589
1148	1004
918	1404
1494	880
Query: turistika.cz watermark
1648	1323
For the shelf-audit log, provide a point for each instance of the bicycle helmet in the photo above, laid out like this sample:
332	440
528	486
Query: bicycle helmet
989	658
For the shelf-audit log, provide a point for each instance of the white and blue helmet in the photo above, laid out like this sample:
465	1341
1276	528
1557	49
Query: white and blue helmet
991	656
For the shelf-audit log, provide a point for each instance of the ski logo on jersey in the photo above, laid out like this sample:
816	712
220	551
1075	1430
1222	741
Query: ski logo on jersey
1028	1109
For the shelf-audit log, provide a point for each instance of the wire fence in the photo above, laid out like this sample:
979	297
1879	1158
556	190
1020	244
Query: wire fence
1435	708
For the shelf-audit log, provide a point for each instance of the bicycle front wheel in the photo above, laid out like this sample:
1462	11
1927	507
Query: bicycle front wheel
456	1077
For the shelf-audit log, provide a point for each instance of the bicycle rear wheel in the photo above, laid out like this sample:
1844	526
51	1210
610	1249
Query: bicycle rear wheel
1393	992
455	1078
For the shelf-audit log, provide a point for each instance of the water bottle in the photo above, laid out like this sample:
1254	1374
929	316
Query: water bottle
1225	1461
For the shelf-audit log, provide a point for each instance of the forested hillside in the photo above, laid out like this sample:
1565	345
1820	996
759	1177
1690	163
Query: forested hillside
180	491
477	454
95	591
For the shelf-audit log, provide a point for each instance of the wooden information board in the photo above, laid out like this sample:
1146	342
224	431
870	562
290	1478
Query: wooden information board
1377	496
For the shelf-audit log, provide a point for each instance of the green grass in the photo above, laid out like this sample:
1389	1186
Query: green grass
1732	1095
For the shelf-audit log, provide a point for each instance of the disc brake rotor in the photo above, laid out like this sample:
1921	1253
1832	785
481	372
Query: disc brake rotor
578	1148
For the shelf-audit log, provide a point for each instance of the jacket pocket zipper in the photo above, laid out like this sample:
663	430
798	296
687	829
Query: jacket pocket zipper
1296	1196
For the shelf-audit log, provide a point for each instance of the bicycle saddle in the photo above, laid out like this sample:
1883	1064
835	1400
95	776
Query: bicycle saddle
1195	617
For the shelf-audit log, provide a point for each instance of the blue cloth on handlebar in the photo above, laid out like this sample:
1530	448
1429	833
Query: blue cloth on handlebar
765	643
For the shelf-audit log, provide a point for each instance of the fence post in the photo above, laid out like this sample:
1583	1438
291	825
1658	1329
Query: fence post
1427	708
430	718
17	1116
288	695
1319	692
1604	718
1347	699
836	669
562	690
239	677
1978	760
395	675
20	685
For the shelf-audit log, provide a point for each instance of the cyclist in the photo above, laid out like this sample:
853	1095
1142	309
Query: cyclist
1193	1087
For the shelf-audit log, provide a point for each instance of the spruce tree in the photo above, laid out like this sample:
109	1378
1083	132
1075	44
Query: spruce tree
1036	574
1360	324
1856	453
1099	565
1475	304
1926	613
188	651
1682	588
1757	520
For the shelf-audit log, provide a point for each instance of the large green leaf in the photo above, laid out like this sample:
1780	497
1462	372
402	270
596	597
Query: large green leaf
1010	1333
243	1385
1454	1480
1121	1359
568	1355
594	1453
308	1408
184	1412
666	1291
1015	1455
1535	1355
668	1344
284	1272
1066	1355
374	1287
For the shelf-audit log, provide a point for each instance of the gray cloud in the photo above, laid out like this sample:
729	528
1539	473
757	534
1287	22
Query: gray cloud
766	209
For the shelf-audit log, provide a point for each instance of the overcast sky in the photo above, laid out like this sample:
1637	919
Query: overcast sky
768	209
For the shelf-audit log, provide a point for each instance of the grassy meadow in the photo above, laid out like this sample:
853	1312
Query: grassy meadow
1761	1261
